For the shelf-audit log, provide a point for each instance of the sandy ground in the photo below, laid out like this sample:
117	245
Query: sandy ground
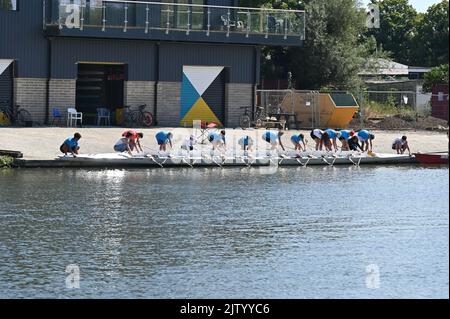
43	143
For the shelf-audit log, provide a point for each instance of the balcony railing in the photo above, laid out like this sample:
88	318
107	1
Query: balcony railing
147	17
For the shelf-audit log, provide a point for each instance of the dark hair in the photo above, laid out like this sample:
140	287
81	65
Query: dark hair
280	133
371	136
77	136
222	132
404	137
129	134
302	136
141	135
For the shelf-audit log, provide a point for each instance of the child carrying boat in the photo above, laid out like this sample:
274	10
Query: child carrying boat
123	144
217	140
299	142
134	140
344	136
274	138
246	143
365	137
333	134
163	138
316	135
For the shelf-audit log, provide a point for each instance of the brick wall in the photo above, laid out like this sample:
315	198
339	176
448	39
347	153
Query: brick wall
236	95
30	94
140	92
169	103
62	96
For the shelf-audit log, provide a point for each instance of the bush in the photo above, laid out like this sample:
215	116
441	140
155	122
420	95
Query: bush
6	161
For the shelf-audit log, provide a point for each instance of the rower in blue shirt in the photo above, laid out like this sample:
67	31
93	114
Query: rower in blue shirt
274	138
344	136
163	138
298	140
365	137
333	134
246	143
70	145
218	140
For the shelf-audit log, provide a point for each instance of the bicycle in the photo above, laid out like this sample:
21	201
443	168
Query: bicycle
15	115
138	117
257	116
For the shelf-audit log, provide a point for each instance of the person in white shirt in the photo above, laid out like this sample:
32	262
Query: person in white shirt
401	145
316	135
188	144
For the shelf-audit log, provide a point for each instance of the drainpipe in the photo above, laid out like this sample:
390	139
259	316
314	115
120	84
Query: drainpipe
256	63
49	75
155	109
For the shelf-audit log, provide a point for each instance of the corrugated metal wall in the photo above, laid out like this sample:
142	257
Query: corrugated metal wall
239	60
138	55
6	86
22	39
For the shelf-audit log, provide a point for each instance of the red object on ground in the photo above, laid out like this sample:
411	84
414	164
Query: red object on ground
432	159
209	125
439	101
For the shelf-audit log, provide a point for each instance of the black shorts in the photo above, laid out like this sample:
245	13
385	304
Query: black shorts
342	138
268	139
312	135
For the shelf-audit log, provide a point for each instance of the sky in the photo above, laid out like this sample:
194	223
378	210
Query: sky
419	5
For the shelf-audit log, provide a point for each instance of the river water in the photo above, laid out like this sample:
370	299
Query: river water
344	232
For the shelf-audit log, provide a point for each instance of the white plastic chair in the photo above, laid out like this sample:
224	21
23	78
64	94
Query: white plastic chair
74	116
103	114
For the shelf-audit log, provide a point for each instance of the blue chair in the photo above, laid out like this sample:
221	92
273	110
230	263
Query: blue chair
103	114
56	114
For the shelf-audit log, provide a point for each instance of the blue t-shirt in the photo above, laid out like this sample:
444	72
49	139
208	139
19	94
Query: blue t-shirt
216	137
331	133
71	142
162	137
344	134
296	138
363	135
270	136
247	140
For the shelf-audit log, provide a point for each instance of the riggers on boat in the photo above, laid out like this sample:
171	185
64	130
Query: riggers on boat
216	159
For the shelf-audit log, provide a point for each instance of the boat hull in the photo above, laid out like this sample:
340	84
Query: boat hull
432	159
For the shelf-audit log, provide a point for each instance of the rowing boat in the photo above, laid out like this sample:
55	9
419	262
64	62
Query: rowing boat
438	158
211	159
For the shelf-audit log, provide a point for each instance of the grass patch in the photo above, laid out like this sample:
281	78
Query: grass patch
6	161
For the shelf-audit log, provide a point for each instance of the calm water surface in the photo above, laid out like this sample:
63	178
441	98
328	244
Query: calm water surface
231	233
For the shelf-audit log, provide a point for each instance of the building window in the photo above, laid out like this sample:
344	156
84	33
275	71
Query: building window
8	5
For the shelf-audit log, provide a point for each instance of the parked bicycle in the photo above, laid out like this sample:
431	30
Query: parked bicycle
15	115
253	118
137	118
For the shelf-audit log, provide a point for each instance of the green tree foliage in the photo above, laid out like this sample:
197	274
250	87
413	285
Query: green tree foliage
431	40
398	20
437	75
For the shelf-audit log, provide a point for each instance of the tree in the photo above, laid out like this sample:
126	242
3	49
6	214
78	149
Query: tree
437	75
431	41
398	20
333	52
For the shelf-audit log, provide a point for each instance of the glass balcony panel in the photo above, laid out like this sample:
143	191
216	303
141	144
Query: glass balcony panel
180	15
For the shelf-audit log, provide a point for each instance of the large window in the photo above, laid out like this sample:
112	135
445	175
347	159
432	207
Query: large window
8	5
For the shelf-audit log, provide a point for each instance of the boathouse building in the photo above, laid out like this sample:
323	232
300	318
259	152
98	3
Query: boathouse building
184	59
